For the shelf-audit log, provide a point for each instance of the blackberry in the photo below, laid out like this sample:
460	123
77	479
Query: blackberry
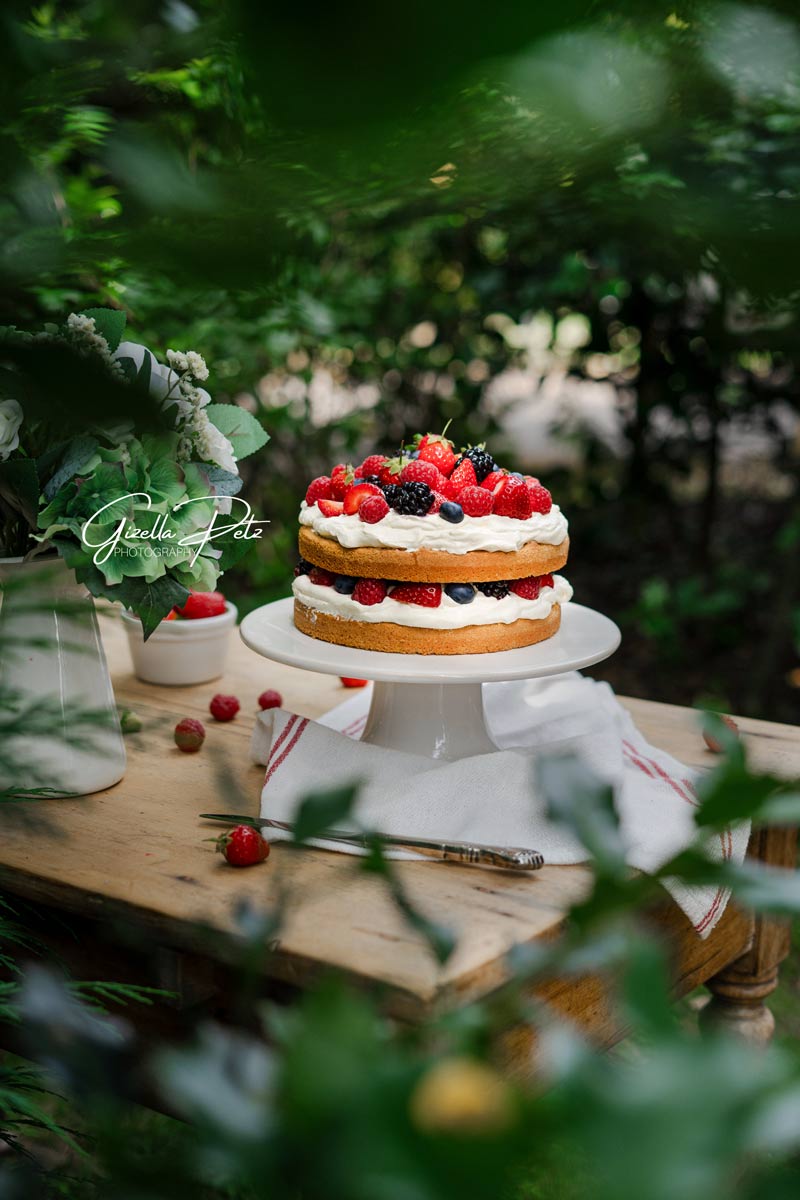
376	479
481	460
412	499
302	567
498	590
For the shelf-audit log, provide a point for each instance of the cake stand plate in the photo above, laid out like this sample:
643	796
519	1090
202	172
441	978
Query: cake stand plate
430	704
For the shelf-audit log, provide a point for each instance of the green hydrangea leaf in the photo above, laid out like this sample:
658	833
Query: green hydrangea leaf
240	427
109	322
77	457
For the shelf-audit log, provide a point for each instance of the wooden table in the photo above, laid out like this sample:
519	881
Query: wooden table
143	896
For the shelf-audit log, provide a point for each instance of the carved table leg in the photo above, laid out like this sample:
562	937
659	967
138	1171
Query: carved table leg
738	993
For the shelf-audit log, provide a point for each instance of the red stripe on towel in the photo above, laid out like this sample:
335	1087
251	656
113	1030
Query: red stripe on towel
298	733
280	739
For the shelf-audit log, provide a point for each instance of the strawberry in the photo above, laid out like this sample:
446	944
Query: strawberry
353	683
371	466
320	576
546	581
429	595
528	588
172	615
435	448
418	471
223	708
319	489
511	499
475	501
712	742
243	846
202	604
541	500
463	476
270	699
439	499
373	509
189	735
369	591
355	496
391	469
492	479
330	508
341	478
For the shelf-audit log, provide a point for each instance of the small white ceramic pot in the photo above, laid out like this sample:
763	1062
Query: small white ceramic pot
181	652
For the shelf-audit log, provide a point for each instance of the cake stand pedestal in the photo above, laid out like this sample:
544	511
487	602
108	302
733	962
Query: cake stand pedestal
430	704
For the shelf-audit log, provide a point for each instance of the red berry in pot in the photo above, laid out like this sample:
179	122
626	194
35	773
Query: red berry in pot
223	708
202	604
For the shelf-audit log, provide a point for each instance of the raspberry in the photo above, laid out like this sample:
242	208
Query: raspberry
202	604
512	499
541	500
270	699
189	735
223	708
341	478
528	588
419	471
463	476
243	846
438	500
429	595
373	509
371	465
492	479
369	591
319	489
353	683
435	448
330	508
321	576
355	496
546	581
475	501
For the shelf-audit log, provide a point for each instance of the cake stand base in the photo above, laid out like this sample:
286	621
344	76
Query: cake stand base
430	704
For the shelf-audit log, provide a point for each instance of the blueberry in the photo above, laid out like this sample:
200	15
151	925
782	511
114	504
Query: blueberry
345	584
518	474
414	454
462	593
451	512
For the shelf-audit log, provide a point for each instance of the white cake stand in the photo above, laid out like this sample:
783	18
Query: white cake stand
431	704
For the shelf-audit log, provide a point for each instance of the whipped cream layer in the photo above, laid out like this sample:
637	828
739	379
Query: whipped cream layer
484	610
400	532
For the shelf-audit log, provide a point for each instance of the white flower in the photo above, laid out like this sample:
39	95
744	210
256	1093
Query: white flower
83	334
197	365
10	421
178	360
212	446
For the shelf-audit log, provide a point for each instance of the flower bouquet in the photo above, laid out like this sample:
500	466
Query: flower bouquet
120	463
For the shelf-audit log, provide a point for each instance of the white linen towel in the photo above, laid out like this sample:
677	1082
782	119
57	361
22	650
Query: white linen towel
491	798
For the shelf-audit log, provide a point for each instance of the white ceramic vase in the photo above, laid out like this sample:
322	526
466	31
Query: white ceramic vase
52	664
181	653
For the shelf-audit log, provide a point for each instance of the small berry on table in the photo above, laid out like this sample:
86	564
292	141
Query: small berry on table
223	708
243	846
189	735
713	744
353	683
270	699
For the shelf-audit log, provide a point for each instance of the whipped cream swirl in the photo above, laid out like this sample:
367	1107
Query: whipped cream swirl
400	532
483	610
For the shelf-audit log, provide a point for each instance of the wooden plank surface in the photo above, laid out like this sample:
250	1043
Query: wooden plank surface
137	852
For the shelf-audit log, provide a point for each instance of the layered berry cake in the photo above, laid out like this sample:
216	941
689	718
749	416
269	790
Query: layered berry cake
430	552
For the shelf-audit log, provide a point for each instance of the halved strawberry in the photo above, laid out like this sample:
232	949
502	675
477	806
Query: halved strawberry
512	499
330	508
355	496
429	595
463	476
492	479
